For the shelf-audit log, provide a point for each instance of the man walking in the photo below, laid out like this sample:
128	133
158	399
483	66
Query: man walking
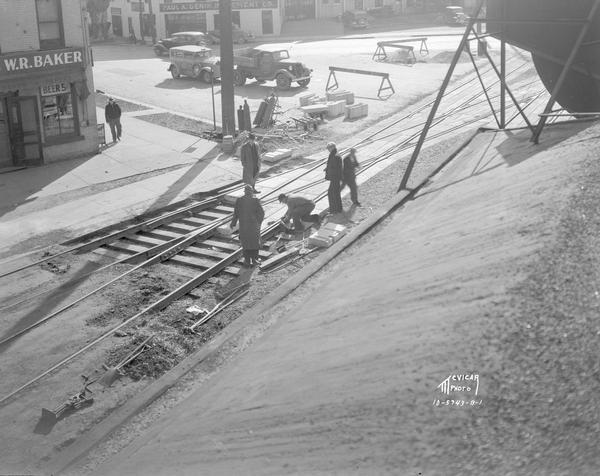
298	210
112	114
349	175
333	173
249	212
250	162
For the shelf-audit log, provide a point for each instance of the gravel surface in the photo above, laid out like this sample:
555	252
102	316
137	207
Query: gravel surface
542	344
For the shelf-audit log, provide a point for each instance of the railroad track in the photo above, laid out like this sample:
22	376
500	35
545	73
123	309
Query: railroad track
188	237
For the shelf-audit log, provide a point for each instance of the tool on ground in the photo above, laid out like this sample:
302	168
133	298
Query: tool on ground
74	402
236	294
113	373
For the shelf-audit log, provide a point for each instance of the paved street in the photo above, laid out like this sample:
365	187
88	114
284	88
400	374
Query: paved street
135	73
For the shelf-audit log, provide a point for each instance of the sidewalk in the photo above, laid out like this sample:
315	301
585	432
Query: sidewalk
151	167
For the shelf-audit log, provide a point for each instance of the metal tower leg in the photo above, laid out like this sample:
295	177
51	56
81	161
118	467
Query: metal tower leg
440	95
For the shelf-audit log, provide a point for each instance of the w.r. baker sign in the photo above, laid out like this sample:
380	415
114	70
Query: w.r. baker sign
40	61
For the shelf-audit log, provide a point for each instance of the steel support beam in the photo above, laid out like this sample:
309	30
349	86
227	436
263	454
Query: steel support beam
463	43
565	71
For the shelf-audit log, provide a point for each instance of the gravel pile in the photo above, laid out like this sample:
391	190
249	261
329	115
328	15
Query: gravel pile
542	416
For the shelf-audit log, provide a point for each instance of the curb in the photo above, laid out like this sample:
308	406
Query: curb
78	450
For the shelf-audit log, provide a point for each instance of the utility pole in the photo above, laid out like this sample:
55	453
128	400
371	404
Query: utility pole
227	90
141	21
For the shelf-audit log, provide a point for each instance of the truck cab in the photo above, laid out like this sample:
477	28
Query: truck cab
266	65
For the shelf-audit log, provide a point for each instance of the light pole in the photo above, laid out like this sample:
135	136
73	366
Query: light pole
141	21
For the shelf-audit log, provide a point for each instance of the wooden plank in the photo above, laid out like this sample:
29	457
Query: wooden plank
178	228
146	239
195	222
275	260
190	262
211	215
210	251
161	233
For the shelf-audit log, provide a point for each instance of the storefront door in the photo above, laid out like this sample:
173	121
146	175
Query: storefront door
267	22
23	122
5	155
117	25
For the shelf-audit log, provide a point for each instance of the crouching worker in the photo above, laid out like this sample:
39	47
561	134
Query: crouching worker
250	214
298	210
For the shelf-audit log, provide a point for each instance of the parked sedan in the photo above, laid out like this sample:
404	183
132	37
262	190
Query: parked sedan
239	36
181	39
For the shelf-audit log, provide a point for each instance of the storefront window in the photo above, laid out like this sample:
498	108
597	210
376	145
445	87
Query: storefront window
58	115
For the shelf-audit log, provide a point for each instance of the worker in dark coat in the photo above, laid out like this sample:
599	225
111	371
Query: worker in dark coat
250	162
249	212
112	114
349	175
298	210
333	173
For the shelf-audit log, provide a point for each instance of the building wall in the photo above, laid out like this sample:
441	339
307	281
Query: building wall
19	34
18	27
250	18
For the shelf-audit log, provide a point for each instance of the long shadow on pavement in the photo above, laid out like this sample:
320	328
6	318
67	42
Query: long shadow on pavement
48	305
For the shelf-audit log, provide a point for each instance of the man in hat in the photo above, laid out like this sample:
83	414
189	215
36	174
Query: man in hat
298	210
250	162
333	173
249	212
112	114
349	175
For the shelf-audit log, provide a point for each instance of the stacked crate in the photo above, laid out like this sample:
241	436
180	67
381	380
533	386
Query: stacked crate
227	145
355	111
277	155
335	108
341	95
308	99
327	235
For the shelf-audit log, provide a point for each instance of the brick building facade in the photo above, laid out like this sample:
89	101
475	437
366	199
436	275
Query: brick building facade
47	107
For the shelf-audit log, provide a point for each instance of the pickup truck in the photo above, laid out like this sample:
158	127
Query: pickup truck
265	65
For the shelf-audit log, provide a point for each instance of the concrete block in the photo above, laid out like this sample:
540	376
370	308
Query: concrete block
335	108
357	110
277	155
340	95
307	99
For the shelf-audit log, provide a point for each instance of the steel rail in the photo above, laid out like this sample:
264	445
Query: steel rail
156	306
177	245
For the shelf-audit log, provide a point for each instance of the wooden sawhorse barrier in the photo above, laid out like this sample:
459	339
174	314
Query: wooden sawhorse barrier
382	86
381	55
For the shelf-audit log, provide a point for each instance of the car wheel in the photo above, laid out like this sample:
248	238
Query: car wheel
283	82
238	78
175	72
206	77
196	71
304	82
158	52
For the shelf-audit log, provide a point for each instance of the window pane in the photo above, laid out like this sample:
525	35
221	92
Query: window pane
47	10
49	31
58	115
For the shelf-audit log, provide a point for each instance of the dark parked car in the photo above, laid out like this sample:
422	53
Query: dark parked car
239	36
181	39
355	19
454	16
